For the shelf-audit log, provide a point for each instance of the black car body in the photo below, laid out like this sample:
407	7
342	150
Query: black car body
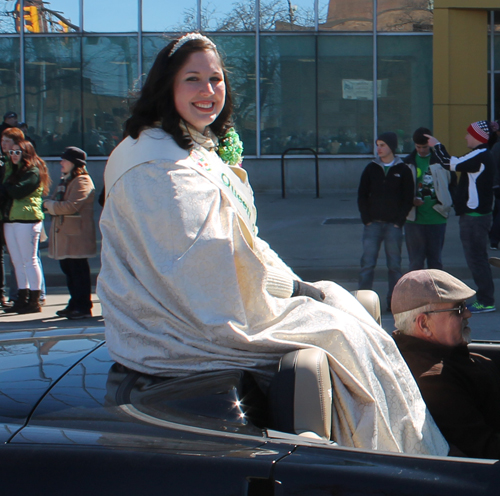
76	423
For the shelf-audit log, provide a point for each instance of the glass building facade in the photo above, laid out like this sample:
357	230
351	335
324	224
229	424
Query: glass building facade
321	74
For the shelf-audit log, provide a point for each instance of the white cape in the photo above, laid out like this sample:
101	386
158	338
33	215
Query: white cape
182	292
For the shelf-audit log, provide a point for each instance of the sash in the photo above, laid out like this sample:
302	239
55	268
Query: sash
155	144
239	193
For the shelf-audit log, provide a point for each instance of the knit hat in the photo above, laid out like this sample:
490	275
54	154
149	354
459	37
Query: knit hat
480	131
390	139
75	155
9	114
425	287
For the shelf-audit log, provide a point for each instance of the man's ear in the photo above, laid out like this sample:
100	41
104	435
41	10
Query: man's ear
421	325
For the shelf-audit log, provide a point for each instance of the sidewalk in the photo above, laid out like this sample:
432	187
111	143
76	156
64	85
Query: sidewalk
318	238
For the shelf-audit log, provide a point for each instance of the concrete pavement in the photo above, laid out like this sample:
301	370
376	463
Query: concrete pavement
318	238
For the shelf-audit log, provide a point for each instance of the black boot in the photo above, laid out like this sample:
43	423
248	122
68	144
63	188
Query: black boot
20	303
33	305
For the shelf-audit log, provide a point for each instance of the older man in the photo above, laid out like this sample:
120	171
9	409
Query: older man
461	389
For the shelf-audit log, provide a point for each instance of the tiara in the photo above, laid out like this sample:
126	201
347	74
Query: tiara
189	37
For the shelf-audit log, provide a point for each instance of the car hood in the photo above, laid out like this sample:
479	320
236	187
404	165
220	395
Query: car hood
31	362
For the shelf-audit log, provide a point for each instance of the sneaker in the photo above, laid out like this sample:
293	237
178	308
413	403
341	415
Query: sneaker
494	247
477	307
64	312
77	315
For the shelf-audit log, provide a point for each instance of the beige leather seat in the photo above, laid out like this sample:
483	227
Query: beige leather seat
300	396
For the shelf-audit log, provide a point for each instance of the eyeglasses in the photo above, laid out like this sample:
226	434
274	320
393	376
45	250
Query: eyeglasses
460	310
15	152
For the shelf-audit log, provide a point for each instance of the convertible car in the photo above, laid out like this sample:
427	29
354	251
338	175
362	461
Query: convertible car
75	422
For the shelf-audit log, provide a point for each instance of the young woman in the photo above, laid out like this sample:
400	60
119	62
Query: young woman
22	189
72	238
187	286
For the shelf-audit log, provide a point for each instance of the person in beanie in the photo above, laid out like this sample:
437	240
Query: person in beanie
461	389
425	226
72	237
385	197
9	120
473	204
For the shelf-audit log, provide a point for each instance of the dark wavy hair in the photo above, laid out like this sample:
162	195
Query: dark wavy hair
156	99
29	159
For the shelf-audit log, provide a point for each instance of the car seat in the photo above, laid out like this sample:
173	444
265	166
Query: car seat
300	394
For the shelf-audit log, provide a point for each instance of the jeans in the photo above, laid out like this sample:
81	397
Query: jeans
474	237
495	227
77	272
425	241
22	243
373	235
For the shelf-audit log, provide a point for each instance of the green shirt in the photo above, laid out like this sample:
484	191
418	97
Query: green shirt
425	191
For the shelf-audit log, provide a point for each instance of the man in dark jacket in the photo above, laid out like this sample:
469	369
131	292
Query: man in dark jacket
385	197
461	389
474	203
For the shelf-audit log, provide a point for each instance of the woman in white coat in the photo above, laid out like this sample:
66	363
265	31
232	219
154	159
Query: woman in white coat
187	286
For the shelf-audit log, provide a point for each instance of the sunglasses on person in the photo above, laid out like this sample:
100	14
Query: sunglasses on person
15	152
460	310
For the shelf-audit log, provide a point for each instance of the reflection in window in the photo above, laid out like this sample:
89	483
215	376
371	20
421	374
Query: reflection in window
9	75
404	15
53	93
405	98
56	16
223	15
169	16
346	15
287	93
111	16
109	74
345	93
285	15
7	19
239	57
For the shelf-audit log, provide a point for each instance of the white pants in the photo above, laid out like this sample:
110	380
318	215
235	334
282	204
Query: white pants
22	242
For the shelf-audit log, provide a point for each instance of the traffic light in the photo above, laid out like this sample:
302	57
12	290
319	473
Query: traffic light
31	18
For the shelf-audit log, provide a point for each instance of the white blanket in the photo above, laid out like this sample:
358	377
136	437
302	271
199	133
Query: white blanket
182	292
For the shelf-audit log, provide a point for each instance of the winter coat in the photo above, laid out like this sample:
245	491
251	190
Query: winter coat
444	181
21	201
72	233
386	197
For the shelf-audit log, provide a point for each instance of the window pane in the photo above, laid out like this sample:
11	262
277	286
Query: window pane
345	89
239	57
283	15
7	11
109	73
110	16
346	15
9	76
56	16
405	86
287	93
151	45
169	16
53	93
223	15
405	15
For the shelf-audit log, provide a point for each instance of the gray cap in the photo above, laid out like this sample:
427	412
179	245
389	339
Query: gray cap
424	287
